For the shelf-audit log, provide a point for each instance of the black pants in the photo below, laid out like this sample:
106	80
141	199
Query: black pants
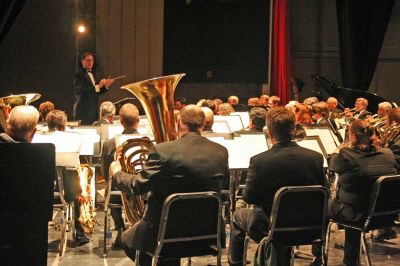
255	223
342	213
128	237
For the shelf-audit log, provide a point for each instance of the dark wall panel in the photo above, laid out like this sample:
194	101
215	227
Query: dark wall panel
38	53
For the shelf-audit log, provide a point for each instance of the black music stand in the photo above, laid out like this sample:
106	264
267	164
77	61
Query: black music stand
27	173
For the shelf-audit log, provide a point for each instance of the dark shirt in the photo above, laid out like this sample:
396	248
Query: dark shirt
358	172
285	164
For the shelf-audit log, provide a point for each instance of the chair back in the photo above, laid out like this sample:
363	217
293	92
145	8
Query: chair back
298	215
27	174
190	221
385	203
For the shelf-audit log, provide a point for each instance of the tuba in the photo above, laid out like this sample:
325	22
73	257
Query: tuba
390	135
157	98
9	102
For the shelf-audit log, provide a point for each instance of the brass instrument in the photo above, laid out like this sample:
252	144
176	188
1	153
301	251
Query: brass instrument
9	102
378	123
87	210
157	98
390	136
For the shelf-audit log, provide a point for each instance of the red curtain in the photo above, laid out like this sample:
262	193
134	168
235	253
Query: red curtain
281	58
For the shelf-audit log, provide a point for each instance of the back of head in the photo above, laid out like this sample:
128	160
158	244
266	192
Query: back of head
192	117
21	123
45	108
233	100
107	109
258	116
364	137
56	120
281	123
210	104
394	115
254	102
209	117
225	109
321	108
129	115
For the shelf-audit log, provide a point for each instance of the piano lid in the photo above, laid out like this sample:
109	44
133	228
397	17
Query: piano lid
346	97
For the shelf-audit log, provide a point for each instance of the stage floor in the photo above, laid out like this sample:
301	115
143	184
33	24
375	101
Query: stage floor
386	253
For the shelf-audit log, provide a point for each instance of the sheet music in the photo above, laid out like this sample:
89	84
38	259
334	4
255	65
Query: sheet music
221	126
313	144
325	136
244	116
234	121
240	150
68	146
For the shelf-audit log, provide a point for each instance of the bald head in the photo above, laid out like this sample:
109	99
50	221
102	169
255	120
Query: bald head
192	118
22	122
129	116
209	117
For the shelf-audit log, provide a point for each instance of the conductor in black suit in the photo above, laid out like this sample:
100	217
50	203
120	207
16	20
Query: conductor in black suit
87	91
189	164
285	164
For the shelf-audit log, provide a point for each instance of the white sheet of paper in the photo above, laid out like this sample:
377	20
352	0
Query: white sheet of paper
221	127
313	144
325	136
234	121
240	150
244	116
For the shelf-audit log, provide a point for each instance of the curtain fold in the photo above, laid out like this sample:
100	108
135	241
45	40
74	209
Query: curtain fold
9	10
282	69
362	26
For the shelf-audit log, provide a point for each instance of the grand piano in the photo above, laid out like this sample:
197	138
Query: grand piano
346	96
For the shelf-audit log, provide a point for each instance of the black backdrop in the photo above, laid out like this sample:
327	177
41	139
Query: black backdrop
217	41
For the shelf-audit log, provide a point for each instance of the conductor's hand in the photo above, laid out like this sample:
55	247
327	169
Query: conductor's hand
108	82
115	167
102	83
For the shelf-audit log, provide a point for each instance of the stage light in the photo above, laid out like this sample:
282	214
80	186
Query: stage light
81	28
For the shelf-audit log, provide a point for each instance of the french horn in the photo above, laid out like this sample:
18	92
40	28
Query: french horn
157	98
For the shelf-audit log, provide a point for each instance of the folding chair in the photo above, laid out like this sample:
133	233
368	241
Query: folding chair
383	211
196	233
297	217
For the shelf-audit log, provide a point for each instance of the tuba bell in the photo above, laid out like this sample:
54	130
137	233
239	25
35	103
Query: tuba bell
157	98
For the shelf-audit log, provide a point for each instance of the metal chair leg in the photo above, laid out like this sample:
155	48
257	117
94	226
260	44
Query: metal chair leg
105	232
326	244
63	238
246	243
364	247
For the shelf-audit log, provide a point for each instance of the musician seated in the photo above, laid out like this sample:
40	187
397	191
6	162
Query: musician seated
332	103
57	121
209	119
257	122
303	116
44	109
264	99
107	112
21	125
384	108
274	101
233	101
188	164
360	107
210	104
129	118
320	114
393	143
358	166
268	172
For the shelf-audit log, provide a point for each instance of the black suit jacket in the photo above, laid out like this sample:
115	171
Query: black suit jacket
358	172
285	164
108	151
188	164
86	105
